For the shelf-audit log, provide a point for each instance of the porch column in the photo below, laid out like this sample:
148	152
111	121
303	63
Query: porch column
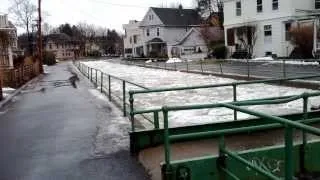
145	50
10	54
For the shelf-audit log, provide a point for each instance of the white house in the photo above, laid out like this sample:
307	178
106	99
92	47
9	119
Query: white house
160	30
6	56
264	24
132	40
193	44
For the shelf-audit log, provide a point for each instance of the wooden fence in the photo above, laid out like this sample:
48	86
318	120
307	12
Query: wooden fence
18	76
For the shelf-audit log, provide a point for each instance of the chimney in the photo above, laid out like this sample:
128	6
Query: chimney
180	9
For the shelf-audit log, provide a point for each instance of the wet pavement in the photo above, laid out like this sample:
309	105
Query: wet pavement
61	128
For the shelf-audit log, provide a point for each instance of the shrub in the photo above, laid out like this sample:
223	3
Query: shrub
220	51
49	58
94	54
302	38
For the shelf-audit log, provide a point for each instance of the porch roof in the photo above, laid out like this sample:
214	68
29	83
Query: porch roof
156	41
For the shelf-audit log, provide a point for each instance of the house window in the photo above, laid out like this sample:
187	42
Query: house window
317	4
267	33
135	39
259	6
275	4
148	32
158	31
238	8
287	31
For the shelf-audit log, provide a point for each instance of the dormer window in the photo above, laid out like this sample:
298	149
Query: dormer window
317	4
148	32
259	6
238	8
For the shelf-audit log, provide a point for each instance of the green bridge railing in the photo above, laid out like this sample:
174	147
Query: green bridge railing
234	85
225	153
99	78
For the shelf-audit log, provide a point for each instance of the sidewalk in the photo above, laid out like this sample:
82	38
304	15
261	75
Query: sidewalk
56	131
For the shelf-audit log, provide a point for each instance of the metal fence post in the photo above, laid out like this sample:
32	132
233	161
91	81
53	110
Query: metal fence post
109	80
101	81
248	68
165	65
96	77
221	68
131	111
91	79
284	68
156	120
124	98
304	135
201	65
166	143
289	170
187	65
175	66
235	113
88	72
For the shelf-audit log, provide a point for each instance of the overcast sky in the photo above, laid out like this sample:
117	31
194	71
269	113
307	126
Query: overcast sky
107	13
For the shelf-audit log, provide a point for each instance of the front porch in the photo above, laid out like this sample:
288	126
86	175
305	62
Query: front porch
156	48
240	41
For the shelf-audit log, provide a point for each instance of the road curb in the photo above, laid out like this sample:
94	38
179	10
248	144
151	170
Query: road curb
8	99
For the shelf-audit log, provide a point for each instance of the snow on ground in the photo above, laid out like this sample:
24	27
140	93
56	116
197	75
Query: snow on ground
263	59
270	60
6	91
174	60
115	128
155	78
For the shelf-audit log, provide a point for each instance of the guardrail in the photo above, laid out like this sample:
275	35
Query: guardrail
99	79
234	85
236	106
223	67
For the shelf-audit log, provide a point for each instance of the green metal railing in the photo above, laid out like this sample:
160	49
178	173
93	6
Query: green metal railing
234	86
98	78
224	153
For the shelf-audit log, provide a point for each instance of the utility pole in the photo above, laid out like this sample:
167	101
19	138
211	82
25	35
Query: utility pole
40	38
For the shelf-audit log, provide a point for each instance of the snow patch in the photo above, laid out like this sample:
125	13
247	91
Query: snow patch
174	60
263	59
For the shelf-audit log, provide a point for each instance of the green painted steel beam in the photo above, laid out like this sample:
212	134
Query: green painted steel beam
208	134
309	129
245	162
274	100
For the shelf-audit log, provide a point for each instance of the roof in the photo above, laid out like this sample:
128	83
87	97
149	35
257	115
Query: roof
177	17
213	33
156	40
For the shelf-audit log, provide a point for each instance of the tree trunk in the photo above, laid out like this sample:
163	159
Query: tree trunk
30	46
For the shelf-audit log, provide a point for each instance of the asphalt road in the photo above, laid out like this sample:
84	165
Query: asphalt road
56	131
261	69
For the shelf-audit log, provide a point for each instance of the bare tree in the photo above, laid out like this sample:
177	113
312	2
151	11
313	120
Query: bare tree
24	13
46	29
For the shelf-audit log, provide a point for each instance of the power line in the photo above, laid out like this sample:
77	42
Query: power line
120	5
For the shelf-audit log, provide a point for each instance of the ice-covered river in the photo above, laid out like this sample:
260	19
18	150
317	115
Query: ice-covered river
155	78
